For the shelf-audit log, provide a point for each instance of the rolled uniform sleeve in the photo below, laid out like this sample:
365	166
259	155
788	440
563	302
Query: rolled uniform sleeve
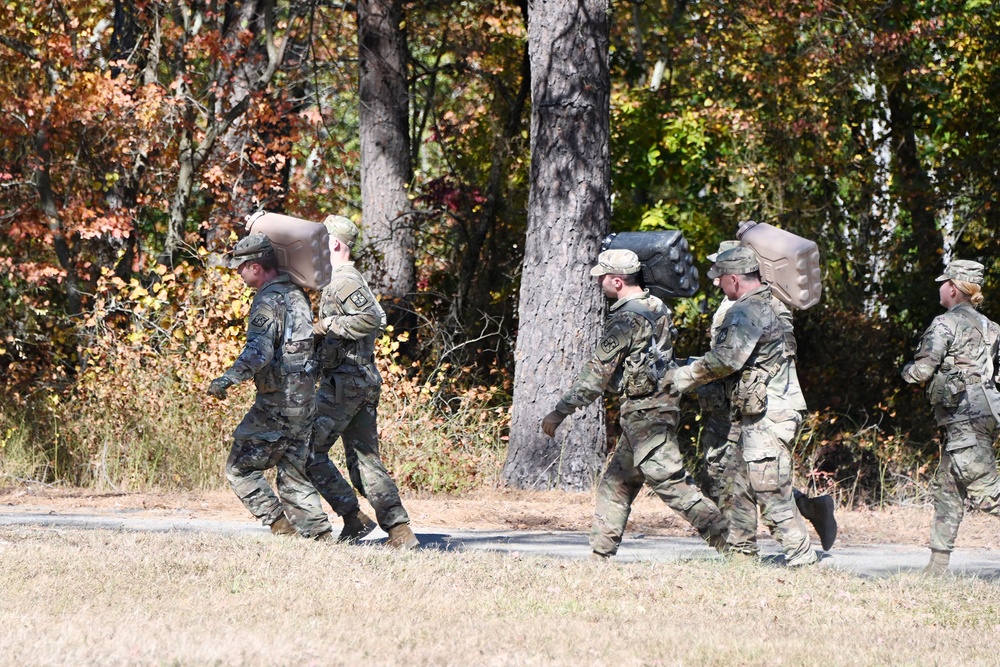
733	344
933	348
262	330
349	309
598	372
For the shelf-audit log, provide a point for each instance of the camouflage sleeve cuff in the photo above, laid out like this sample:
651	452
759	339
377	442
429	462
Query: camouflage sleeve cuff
911	373
562	407
231	377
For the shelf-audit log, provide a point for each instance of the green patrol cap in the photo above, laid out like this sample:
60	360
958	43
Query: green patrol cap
618	262
343	229
723	247
254	246
965	270
738	260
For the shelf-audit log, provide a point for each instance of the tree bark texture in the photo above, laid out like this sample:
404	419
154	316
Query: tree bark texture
561	309
388	235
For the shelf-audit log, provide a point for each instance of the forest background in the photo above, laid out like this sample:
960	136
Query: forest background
136	135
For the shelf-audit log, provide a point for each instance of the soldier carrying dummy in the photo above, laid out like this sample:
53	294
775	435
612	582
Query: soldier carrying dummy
275	432
631	359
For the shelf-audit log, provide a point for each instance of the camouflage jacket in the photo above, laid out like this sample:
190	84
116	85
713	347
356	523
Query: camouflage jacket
756	333
631	352
714	395
354	321
958	356
279	349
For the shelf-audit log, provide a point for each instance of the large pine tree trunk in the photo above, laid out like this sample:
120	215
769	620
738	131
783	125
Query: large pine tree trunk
561	308
385	156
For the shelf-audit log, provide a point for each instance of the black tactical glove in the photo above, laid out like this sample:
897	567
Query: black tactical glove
219	386
551	422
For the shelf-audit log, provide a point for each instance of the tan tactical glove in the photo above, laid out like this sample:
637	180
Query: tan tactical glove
684	379
319	328
551	422
219	386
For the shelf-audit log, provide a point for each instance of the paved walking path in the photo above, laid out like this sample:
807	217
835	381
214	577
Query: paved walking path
877	560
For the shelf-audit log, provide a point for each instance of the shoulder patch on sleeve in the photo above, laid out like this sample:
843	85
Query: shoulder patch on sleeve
261	317
358	298
610	345
721	337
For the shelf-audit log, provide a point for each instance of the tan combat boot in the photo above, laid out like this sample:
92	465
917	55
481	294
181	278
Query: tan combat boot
716	535
819	512
284	528
356	526
938	566
401	537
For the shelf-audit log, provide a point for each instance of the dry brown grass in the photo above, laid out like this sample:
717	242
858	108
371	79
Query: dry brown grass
109	598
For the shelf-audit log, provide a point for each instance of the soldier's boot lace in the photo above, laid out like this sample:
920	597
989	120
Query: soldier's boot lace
819	512
284	528
402	538
356	526
938	566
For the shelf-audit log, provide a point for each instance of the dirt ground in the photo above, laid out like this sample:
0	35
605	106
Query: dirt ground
498	510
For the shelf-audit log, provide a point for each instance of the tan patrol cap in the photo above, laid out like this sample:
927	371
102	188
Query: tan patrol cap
343	229
618	262
723	247
739	261
965	270
254	246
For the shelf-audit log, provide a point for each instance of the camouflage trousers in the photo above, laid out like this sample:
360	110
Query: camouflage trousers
347	408
717	440
647	453
760	474
266	439
968	469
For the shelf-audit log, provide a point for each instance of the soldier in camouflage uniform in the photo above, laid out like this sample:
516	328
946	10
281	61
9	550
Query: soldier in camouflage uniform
631	358
721	432
751	350
958	358
350	321
275	432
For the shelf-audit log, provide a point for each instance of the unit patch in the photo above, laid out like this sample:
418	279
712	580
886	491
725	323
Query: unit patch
721	337
359	299
609	346
260	321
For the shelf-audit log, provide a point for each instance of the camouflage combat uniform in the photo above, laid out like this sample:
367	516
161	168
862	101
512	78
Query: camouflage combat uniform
753	341
719	432
347	401
647	450
275	432
958	356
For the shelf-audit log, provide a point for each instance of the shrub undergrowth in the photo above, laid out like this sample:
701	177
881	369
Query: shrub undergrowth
137	416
